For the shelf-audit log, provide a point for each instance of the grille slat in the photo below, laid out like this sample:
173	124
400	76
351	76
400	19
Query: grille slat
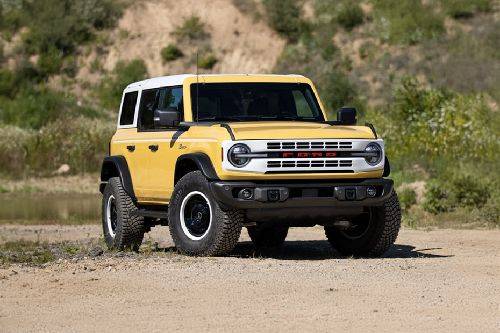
310	164
274	145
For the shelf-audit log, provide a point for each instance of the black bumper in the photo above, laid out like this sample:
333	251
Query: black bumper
339	194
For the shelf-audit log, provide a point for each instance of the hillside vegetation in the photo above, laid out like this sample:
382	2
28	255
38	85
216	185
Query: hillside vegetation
426	73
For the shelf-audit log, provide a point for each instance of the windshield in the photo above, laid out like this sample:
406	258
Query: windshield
254	101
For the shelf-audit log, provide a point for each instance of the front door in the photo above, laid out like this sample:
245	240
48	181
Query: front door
154	145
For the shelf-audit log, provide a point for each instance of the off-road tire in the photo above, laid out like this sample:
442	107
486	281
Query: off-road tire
267	236
225	227
381	235
130	229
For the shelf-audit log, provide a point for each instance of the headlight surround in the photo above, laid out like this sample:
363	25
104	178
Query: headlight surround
376	153
238	149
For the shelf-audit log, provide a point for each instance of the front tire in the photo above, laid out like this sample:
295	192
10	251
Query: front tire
372	233
198	225
122	230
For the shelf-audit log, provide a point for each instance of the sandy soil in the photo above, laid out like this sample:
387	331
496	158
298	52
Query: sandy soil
430	281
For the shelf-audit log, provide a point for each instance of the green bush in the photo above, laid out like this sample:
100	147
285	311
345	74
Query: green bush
284	16
407	198
79	142
50	62
459	9
407	22
8	84
207	61
426	125
191	29
462	191
350	15
65	24
171	53
35	107
111	87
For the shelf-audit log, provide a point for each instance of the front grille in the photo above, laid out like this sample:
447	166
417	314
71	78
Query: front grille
310	164
300	145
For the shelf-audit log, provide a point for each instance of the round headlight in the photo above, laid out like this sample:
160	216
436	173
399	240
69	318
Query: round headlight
236	155
375	153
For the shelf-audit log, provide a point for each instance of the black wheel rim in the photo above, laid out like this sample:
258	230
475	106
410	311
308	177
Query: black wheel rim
196	215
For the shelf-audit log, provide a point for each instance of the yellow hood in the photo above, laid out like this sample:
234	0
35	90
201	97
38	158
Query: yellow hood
297	130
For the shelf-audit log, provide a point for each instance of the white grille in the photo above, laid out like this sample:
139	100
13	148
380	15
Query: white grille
299	145
309	164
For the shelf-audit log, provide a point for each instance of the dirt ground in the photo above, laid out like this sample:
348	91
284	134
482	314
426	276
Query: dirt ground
444	280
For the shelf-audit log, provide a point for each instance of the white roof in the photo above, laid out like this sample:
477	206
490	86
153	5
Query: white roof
177	80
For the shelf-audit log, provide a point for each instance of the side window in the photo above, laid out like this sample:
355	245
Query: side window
146	109
171	98
303	109
128	108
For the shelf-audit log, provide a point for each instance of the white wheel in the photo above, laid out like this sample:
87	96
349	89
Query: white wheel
195	215
111	216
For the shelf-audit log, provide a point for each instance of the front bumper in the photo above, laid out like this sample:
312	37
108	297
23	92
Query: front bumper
276	195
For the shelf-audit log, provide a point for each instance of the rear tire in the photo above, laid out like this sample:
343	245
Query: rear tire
267	236
122	230
198	225
382	227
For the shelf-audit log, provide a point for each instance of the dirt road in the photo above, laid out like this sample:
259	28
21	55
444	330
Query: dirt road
444	280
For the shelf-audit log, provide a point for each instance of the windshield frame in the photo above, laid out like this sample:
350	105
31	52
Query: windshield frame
310	98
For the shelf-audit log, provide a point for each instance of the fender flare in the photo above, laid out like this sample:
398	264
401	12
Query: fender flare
387	167
203	163
116	166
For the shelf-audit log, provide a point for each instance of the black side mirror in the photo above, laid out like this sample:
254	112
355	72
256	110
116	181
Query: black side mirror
346	116
167	118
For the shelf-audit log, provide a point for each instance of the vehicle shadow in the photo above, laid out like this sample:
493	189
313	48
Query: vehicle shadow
321	250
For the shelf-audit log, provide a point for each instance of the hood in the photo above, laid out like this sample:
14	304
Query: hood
275	130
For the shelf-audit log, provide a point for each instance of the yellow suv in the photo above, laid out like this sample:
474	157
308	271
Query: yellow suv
211	154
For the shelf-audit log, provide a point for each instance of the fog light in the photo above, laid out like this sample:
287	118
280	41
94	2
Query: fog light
371	191
246	194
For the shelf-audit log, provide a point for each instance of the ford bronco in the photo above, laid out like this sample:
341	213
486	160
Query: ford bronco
210	154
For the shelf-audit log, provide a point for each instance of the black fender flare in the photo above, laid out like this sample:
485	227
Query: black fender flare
203	163
387	167
116	166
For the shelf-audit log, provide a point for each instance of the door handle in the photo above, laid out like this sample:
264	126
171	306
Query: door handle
153	148
130	148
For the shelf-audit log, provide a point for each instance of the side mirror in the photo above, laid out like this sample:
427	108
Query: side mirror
346	116
166	118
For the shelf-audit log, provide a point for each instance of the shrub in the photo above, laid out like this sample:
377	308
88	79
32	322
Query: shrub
13	149
35	107
50	62
111	87
429	125
459	9
350	15
191	29
81	143
406	22
65	24
171	53
407	198
284	16
461	191
7	83
248	7
207	61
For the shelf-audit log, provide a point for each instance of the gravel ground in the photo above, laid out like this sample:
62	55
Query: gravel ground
444	280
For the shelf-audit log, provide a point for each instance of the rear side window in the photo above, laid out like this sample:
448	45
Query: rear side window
128	108
147	107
